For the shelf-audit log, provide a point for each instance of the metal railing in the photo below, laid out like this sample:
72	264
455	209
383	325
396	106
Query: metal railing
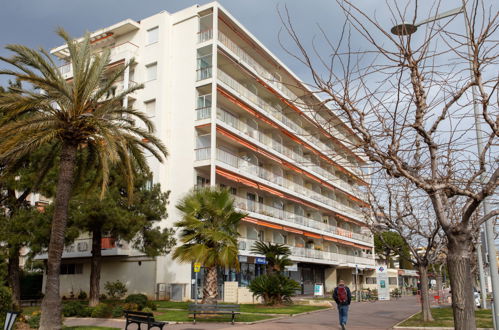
203	113
277	115
253	133
205	35
203	73
276	83
246	244
273	178
270	211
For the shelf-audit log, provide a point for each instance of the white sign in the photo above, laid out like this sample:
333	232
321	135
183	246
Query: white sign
292	268
383	285
318	290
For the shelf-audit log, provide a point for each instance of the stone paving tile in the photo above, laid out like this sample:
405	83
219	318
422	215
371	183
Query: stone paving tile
362	316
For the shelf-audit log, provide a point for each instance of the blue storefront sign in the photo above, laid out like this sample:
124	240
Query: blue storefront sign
260	261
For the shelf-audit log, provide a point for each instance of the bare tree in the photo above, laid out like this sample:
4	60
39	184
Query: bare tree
396	207
408	101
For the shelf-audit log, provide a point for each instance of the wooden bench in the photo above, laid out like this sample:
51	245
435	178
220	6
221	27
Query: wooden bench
216	309
133	317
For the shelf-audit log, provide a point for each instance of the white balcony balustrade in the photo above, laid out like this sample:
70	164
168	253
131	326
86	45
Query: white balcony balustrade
278	116
275	82
245	246
293	218
299	190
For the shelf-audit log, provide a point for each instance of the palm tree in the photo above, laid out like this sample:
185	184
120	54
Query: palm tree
276	255
77	114
209	234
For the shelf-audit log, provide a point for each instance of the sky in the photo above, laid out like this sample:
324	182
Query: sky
33	22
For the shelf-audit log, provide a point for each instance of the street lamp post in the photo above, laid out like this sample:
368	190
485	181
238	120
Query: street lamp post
407	29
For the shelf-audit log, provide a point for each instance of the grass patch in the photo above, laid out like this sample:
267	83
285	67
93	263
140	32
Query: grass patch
444	318
172	304
249	308
182	316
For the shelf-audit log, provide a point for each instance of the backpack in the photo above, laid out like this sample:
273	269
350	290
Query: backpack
342	295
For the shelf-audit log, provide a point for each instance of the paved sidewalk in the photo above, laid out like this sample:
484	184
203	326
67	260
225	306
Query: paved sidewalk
362	316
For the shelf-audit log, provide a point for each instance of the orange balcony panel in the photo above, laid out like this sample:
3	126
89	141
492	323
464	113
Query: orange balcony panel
292	230
312	235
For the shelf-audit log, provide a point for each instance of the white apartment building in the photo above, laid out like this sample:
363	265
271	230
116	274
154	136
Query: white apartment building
231	114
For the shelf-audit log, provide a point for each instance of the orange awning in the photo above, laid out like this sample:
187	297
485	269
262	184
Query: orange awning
292	230
252	220
312	235
328	238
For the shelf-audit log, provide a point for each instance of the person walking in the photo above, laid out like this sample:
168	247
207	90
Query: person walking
343	297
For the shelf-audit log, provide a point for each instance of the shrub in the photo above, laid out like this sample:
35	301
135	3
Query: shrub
82	295
151	305
102	310
274	289
34	320
85	311
103	297
130	307
5	301
72	308
147	310
116	289
139	299
117	311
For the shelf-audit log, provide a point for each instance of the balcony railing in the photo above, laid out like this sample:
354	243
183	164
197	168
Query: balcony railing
277	115
203	73
298	189
126	50
270	211
253	133
205	35
246	245
203	113
277	84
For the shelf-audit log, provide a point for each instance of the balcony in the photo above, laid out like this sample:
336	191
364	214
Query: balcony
296	219
203	113
125	51
278	85
313	255
253	134
203	73
277	115
205	35
242	165
82	248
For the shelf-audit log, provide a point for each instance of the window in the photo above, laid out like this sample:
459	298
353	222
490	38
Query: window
392	281
370	280
261	235
151	71
150	107
233	191
71	269
251	233
152	35
201	182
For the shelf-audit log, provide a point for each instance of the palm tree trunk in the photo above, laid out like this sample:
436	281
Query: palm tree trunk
51	304
425	295
459	261
210	286
14	277
95	267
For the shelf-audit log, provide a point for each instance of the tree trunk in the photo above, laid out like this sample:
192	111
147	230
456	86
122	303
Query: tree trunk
210	286
95	266
458	262
440	284
51	305
14	277
425	294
